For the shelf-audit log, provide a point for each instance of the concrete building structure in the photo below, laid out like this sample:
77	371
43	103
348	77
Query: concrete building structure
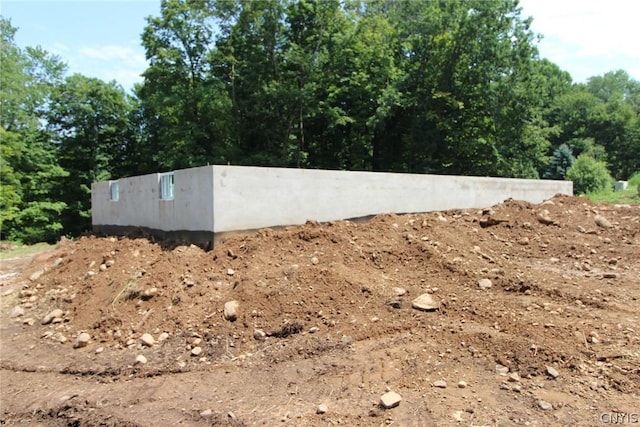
200	204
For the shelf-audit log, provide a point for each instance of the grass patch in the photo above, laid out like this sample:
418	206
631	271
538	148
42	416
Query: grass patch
628	196
15	250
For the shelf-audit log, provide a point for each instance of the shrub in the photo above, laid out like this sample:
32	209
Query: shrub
588	175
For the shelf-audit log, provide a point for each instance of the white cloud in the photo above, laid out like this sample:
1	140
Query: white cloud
124	54
125	64
588	37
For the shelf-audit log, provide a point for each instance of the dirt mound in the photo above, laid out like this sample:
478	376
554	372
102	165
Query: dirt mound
535	312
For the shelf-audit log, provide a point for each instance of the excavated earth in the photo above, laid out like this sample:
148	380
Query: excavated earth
533	319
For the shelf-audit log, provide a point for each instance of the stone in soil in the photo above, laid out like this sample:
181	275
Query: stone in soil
53	314
259	335
82	340
196	351
440	384
140	360
484	283
544	405
231	310
390	400
425	302
502	370
462	384
17	312
602	221
322	409
552	372
147	340
399	291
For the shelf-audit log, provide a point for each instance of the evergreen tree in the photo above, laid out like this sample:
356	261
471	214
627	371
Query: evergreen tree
561	161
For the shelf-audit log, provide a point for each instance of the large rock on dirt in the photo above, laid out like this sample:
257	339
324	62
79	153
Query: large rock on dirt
552	372
259	335
484	283
82	340
17	312
53	314
390	400
602	221
231	310
147	340
425	302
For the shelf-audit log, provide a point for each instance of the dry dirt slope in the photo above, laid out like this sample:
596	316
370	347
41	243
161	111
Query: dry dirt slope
325	317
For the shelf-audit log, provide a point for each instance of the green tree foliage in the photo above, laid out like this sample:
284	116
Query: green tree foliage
89	119
588	175
601	118
561	161
618	131
183	106
30	203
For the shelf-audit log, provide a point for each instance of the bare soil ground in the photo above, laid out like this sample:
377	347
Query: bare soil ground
325	317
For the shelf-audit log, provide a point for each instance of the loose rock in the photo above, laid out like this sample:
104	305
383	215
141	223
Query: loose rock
54	314
602	221
552	372
147	340
196	351
149	293
231	310
35	276
390	400
399	291
140	360
502	370
462	384
17	312
544	405
425	302
259	335
322	409
440	384
514	377
82	340
484	283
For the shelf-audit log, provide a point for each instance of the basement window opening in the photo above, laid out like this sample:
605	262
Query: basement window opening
166	186
114	191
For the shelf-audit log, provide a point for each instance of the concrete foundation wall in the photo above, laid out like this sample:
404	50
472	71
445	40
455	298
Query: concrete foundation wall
221	199
139	203
252	197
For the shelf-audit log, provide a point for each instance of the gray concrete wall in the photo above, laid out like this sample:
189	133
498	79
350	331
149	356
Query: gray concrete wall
221	199
252	197
139	204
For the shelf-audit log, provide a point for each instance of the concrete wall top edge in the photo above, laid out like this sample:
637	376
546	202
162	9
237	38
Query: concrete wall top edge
263	169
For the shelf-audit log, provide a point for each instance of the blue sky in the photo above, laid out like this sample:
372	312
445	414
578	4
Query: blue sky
101	38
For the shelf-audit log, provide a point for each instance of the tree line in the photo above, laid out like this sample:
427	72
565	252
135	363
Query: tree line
420	86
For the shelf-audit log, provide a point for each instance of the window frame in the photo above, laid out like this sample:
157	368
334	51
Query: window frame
114	186
166	183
